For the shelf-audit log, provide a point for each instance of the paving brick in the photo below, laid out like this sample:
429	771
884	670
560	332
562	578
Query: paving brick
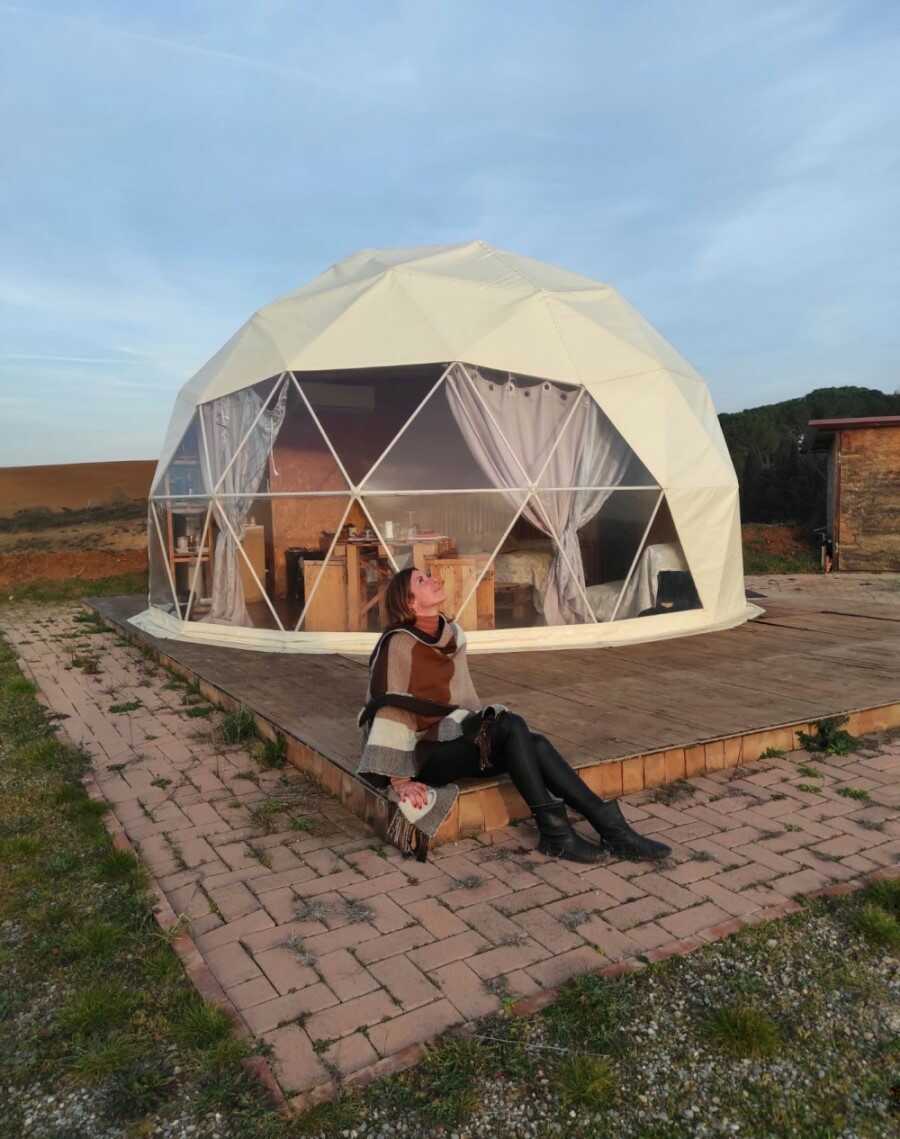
547	931
344	975
234	901
469	896
465	990
844	845
400	942
437	919
687	922
387	915
732	903
350	1016
425	888
610	882
234	930
344	938
350	1054
636	912
756	852
557	970
316	886
506	958
404	982
561	878
661	886
386	884
295	1063
285	970
253	992
610	941
649	936
448	949
743	876
491	924
527	899
262	1017
231	965
414	1027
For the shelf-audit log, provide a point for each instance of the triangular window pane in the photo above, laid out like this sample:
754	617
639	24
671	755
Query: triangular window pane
523	571
160	588
591	452
452	536
361	412
530	412
239	430
182	522
450	444
661	580
187	472
600	532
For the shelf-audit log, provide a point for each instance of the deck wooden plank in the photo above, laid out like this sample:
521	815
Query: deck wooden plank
795	664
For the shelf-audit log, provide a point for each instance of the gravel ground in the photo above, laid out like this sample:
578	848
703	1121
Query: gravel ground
834	999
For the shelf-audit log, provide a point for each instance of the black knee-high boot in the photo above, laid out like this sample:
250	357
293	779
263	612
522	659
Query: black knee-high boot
604	815
513	746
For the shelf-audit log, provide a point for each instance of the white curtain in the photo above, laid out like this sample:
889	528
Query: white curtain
233	429
590	453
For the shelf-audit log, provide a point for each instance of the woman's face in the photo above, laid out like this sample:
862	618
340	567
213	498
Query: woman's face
426	593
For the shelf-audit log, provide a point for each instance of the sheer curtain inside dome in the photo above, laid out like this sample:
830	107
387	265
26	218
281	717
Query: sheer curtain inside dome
239	441
587	458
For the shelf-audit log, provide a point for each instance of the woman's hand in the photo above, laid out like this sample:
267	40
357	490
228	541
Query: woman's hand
411	792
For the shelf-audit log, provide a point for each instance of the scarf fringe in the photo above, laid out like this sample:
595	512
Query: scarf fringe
407	836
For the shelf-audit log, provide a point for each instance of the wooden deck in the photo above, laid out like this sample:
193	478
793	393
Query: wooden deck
626	717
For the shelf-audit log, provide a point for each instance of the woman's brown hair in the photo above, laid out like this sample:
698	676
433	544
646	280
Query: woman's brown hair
397	598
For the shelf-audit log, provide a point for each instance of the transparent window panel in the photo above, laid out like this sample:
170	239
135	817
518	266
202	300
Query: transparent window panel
600	532
362	411
186	547
592	452
530	412
451	444
187	473
452	536
300	458
160	589
241	430
661	580
523	571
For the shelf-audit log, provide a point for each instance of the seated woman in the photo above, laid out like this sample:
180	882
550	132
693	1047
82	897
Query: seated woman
424	727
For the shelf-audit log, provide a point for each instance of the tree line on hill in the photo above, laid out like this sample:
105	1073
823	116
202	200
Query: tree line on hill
780	480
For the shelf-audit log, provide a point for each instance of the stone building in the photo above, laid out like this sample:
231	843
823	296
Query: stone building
863	490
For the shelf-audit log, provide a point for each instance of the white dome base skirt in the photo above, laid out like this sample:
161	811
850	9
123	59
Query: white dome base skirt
637	630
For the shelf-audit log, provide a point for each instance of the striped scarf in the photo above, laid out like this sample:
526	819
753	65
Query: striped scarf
419	689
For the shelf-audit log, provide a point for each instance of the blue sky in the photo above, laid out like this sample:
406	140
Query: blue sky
165	169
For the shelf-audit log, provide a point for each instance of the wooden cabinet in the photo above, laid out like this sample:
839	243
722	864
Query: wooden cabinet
326	612
459	575
254	545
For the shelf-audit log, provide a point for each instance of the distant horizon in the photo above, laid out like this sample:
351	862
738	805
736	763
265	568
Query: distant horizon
731	169
154	459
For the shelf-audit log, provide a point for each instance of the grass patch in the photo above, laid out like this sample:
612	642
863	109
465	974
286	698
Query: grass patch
878	926
587	1081
854	793
238	727
829	737
743	1030
272	753
73	589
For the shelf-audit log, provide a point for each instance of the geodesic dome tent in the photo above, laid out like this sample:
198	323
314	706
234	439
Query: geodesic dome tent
515	428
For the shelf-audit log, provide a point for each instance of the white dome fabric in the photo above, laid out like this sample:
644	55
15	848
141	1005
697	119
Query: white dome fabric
489	309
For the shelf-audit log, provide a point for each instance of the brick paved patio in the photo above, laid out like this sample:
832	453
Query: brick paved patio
340	953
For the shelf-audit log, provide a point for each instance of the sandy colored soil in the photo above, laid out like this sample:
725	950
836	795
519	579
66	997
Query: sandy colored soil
73	486
783	541
87	551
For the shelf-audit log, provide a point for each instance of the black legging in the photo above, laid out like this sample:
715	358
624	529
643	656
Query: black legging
531	761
